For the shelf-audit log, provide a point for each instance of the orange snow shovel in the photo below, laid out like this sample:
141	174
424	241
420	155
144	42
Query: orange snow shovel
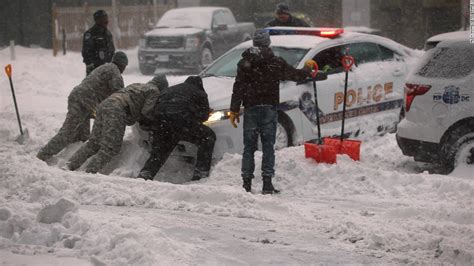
316	148
23	134
345	146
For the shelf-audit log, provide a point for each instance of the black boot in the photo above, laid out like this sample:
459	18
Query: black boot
268	187
247	184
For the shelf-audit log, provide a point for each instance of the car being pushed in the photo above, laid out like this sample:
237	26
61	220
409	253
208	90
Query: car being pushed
439	106
190	38
375	86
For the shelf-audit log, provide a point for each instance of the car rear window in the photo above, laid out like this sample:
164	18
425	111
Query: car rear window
227	64
447	62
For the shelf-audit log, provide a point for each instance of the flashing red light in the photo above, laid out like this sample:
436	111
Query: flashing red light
321	32
413	90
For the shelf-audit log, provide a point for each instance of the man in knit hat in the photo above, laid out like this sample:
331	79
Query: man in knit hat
82	104
256	87
283	18
178	115
121	109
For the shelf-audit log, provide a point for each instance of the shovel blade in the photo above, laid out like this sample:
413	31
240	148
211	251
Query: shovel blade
321	153
347	146
23	137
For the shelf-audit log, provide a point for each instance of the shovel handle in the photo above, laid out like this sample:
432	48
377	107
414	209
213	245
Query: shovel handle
8	70
314	73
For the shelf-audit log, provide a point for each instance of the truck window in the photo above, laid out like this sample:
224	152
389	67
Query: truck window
218	19
229	18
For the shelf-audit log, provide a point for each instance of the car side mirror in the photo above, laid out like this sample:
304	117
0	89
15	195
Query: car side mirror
221	27
320	76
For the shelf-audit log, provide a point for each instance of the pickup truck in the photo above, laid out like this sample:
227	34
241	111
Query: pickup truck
190	38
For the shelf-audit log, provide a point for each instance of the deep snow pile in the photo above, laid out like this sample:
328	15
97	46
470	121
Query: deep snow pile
383	209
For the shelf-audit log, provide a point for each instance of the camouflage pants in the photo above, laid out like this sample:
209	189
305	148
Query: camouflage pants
76	127
106	138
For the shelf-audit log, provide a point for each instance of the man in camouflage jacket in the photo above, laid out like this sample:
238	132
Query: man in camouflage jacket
113	115
82	104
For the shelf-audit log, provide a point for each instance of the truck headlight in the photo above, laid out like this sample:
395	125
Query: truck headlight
218	115
192	43
142	43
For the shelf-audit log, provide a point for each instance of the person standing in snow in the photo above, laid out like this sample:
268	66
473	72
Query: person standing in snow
113	115
256	87
82	104
97	43
178	115
284	18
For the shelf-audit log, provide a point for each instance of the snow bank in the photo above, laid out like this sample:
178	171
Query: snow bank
385	209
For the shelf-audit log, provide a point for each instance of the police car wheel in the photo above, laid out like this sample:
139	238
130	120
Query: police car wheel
459	147
281	140
284	137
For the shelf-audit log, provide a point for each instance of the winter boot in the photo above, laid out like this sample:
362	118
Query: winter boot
268	187
247	185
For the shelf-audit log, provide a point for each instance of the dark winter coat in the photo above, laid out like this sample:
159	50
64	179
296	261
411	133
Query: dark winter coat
187	100
259	73
98	46
292	22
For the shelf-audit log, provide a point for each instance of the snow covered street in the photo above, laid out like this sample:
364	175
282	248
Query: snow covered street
385	209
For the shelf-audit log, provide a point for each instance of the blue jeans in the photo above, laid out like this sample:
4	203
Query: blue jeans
259	120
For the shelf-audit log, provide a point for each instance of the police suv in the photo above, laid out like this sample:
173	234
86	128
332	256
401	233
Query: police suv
375	85
439	106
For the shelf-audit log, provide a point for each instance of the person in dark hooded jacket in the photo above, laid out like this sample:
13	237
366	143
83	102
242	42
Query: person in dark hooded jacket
284	18
178	115
256	87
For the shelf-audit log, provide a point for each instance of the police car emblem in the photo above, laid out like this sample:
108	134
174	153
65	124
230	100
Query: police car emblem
451	95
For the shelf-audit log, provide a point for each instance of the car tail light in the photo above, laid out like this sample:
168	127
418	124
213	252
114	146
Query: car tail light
413	90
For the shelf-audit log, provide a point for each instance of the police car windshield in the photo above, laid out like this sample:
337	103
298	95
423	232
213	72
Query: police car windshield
227	65
447	62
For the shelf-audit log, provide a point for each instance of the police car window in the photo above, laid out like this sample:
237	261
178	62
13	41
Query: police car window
329	60
386	54
447	62
364	52
227	64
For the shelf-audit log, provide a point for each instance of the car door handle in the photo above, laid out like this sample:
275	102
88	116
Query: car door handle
397	72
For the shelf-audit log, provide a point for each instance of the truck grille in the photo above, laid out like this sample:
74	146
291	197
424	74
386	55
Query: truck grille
165	42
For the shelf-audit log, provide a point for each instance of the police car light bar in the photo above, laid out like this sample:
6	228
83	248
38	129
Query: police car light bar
321	32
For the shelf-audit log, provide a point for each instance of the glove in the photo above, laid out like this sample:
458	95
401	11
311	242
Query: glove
93	114
310	64
233	117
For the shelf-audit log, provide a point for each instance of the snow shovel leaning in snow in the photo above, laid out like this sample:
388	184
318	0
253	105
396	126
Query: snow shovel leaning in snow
316	148
345	146
23	133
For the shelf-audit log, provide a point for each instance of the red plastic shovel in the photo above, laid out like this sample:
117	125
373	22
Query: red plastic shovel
345	146
316	148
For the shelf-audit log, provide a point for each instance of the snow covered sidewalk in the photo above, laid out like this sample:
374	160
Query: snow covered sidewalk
385	209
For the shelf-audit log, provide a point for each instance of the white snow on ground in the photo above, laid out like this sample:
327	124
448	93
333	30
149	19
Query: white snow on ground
385	209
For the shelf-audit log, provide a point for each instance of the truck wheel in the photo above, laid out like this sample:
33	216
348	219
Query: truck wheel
206	57
459	147
147	69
